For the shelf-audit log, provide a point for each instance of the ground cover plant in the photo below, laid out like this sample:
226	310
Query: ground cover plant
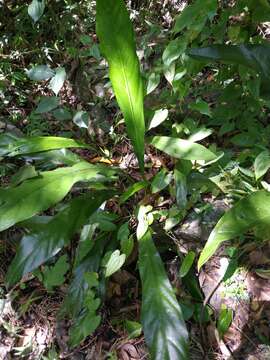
134	198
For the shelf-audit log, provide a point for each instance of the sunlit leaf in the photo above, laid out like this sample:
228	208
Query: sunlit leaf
40	72
262	164
174	50
114	30
181	171
81	119
163	324
186	264
144	220
169	72
254	210
161	180
38	194
133	328
182	149
224	320
201	106
58	80
115	262
36	9
153	82
133	189
158	118
34	144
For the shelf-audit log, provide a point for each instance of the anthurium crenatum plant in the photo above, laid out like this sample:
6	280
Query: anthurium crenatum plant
65	199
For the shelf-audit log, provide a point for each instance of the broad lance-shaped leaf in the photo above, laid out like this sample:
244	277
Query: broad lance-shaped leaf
36	144
38	194
40	245
254	210
182	149
163	324
256	57
115	33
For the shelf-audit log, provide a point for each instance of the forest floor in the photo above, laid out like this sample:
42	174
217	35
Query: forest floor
29	324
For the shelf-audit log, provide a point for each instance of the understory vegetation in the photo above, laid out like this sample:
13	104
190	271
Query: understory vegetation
135	179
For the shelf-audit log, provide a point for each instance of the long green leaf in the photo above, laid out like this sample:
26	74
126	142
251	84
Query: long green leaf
182	149
163	324
115	33
36	144
38	194
40	245
254	210
256	57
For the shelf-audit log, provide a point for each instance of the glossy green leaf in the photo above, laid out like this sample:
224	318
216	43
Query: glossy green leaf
187	263
254	210
174	50
145	218
158	118
36	9
40	72
115	33
81	119
55	275
38	194
126	241
163	324
104	221
152	83
182	149
224	320
161	180
46	104
46	241
262	164
169	72
24	173
191	283
127	245
115	262
133	189
181	170
133	328
47	160
200	134
58	80
29	145
201	106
